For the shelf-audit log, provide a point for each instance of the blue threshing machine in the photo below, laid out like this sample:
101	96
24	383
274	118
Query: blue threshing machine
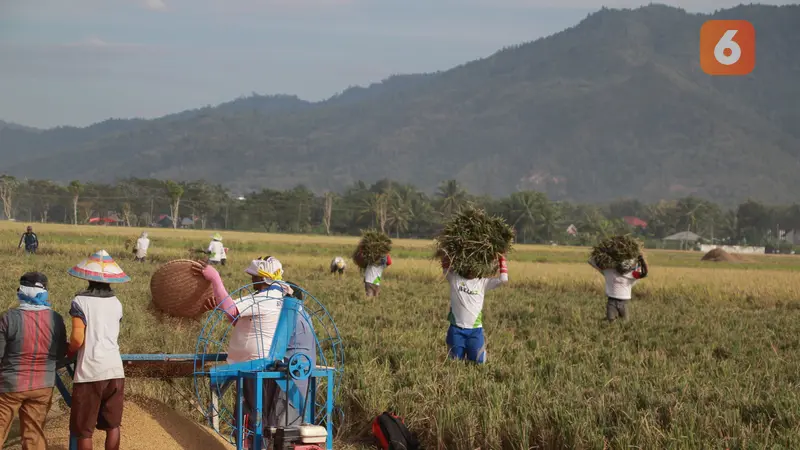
308	378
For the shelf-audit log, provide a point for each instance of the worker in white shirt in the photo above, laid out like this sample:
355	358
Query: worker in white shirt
142	244
216	251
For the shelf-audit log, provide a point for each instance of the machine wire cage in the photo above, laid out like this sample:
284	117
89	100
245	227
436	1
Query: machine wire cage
310	370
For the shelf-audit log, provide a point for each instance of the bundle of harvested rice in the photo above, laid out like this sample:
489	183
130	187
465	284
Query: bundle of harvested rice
130	244
374	246
617	252
472	241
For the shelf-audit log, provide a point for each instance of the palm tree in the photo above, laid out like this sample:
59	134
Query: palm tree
401	209
533	214
376	206
452	197
525	211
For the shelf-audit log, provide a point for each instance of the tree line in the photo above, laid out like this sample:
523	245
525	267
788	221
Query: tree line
399	209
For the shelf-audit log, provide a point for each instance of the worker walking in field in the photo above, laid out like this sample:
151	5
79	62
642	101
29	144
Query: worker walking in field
142	244
465	336
619	286
216	251
30	240
373	274
33	339
338	265
98	390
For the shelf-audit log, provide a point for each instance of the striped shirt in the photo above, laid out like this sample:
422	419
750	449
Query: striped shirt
31	344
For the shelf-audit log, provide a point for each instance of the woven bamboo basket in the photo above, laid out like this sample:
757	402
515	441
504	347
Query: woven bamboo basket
178	291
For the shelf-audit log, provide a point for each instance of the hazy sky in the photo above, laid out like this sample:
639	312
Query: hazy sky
75	62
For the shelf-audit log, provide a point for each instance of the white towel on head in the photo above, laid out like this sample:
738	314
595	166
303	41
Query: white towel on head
31	292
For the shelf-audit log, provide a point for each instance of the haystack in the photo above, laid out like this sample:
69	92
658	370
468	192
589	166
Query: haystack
616	253
374	246
472	241
719	255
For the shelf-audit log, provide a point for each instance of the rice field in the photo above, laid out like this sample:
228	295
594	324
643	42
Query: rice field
709	358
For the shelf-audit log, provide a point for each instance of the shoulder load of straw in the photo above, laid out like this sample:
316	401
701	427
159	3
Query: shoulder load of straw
617	252
372	249
472	242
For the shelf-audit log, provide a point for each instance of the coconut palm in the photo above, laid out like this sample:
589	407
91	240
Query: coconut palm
401	209
452	197
376	206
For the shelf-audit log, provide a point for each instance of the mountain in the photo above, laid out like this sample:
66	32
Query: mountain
15	126
616	106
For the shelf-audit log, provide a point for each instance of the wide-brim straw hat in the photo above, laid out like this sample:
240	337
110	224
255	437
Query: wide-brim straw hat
217	237
99	267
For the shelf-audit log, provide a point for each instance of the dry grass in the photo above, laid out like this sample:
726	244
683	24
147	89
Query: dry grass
709	358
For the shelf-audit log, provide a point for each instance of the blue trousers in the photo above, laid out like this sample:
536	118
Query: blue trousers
466	342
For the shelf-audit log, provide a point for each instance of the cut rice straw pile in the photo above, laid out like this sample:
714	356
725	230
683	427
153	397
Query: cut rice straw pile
616	253
374	246
472	241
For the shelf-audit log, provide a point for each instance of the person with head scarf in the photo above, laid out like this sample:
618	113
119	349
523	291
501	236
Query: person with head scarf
255	319
30	240
33	339
142	244
98	390
216	251
338	265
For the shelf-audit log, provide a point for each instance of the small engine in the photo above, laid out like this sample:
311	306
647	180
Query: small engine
305	437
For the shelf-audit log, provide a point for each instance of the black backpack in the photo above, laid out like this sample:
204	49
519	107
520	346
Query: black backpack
392	433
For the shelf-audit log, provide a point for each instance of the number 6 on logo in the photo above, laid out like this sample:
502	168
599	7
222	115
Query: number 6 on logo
727	47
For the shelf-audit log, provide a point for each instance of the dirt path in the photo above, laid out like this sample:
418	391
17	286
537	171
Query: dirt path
146	425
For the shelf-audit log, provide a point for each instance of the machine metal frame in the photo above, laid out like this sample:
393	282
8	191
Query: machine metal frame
273	367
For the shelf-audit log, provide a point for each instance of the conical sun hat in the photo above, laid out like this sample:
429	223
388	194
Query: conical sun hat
99	267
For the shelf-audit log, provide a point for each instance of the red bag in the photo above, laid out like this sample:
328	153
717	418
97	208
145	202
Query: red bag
392	433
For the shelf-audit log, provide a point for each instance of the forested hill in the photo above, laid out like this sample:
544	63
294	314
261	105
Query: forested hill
616	106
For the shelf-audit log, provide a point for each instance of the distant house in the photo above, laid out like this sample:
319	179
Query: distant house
683	240
572	230
684	236
164	221
188	222
791	236
635	222
104	221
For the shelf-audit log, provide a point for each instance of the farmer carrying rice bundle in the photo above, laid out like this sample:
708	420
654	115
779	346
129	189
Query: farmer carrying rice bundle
471	248
99	383
622	264
372	256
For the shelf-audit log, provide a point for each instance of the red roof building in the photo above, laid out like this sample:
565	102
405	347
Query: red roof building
635	222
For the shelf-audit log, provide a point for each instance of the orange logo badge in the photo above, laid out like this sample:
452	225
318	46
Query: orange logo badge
727	47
